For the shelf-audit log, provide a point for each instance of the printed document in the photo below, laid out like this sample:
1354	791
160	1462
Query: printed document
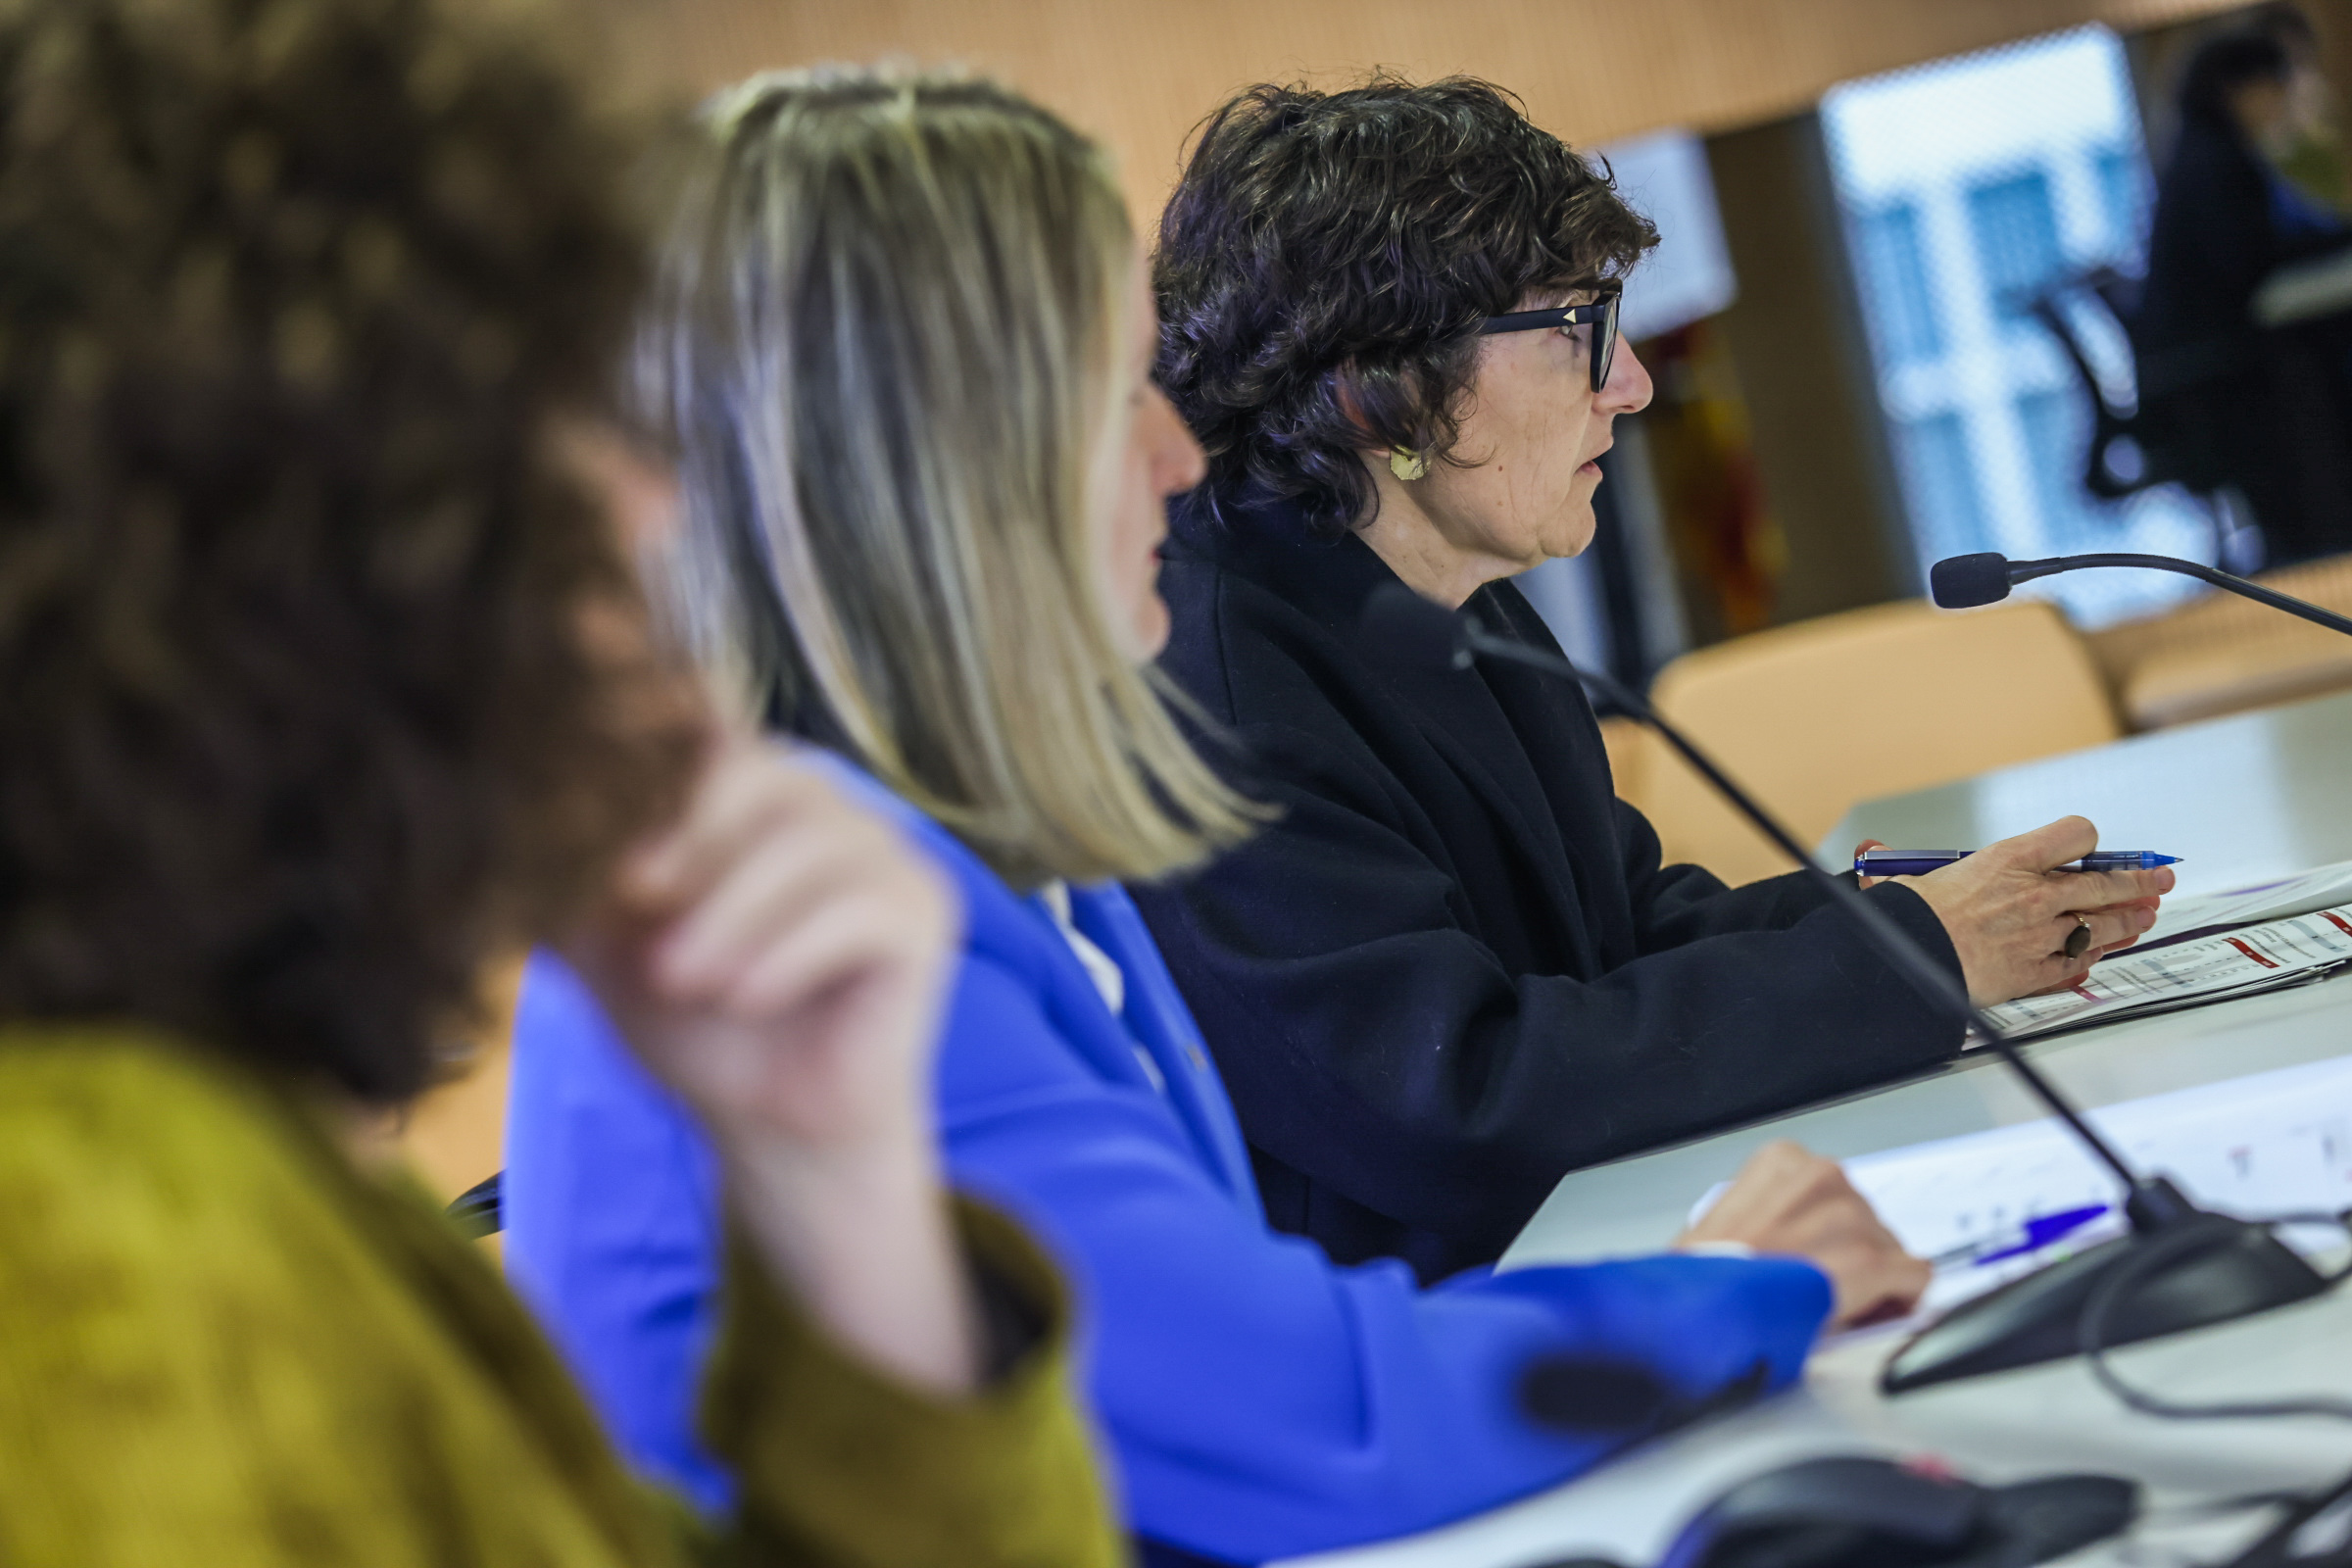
2135	982
2274	1142
2180	918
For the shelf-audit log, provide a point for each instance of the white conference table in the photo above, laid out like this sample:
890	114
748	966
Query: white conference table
2242	799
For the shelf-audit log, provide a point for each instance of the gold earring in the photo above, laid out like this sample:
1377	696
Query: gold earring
1406	463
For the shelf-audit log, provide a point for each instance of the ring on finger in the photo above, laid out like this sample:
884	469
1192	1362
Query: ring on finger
2078	941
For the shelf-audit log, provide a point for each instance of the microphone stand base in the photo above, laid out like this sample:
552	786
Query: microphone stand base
2038	1318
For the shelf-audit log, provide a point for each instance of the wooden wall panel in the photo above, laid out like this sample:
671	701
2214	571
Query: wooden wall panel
1142	73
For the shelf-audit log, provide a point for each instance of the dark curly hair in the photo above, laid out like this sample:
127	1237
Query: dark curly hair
1350	243
306	707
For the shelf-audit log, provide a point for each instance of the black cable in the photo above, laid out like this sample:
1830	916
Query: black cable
2149	1255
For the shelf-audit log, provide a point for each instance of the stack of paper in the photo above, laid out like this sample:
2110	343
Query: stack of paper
2180	918
2273	1143
2191	972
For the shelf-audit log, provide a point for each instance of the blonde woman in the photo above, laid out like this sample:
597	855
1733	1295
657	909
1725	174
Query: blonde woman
905	347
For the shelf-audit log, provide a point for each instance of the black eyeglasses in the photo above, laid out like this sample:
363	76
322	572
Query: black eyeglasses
1601	315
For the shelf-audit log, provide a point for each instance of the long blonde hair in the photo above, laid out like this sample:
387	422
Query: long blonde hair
886	344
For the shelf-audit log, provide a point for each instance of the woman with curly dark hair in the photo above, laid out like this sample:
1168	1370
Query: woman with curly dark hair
327	682
1456	968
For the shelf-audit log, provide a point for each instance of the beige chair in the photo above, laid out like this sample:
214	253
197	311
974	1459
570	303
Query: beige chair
1627	744
1816	718
2220	654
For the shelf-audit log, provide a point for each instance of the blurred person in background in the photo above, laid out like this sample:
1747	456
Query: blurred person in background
329	682
2309	150
2266	412
1453	967
905	346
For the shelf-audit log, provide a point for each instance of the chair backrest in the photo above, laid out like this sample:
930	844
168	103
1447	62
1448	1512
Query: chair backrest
2117	462
2220	654
1816	717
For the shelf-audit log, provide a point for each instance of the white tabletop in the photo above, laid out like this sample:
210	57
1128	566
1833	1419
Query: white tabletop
2241	797
1638	1204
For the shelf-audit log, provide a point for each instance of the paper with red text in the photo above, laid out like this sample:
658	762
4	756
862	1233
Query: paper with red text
2180	917
2134	982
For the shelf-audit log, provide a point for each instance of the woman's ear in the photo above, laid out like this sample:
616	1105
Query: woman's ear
1370	400
1343	390
1347	392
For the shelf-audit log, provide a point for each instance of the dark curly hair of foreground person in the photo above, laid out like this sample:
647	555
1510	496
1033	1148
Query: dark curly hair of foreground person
301	713
1327	246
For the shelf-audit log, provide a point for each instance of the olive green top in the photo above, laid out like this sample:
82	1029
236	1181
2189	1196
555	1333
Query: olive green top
221	1342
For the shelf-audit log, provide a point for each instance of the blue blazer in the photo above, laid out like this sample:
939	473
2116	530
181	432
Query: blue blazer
1258	1401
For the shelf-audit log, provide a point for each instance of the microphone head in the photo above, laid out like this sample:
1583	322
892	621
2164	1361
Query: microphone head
1963	582
1402	627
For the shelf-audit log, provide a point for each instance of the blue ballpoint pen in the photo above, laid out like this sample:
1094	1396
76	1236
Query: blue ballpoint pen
2030	1236
1918	863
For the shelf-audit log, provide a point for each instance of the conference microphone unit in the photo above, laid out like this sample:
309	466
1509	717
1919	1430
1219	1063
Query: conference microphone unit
2179	1267
1963	582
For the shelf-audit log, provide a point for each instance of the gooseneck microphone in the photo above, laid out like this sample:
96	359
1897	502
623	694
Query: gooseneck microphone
2226	1269
1963	582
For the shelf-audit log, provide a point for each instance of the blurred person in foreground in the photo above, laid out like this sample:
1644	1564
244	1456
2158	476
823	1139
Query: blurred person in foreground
329	682
905	346
1454	966
2268	412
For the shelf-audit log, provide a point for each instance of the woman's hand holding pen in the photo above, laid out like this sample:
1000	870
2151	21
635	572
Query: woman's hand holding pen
2009	914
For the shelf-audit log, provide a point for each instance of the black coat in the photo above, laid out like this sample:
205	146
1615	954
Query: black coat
1454	968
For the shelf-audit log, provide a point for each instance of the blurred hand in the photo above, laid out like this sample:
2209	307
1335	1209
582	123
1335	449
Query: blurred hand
1793	1202
2009	914
779	957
